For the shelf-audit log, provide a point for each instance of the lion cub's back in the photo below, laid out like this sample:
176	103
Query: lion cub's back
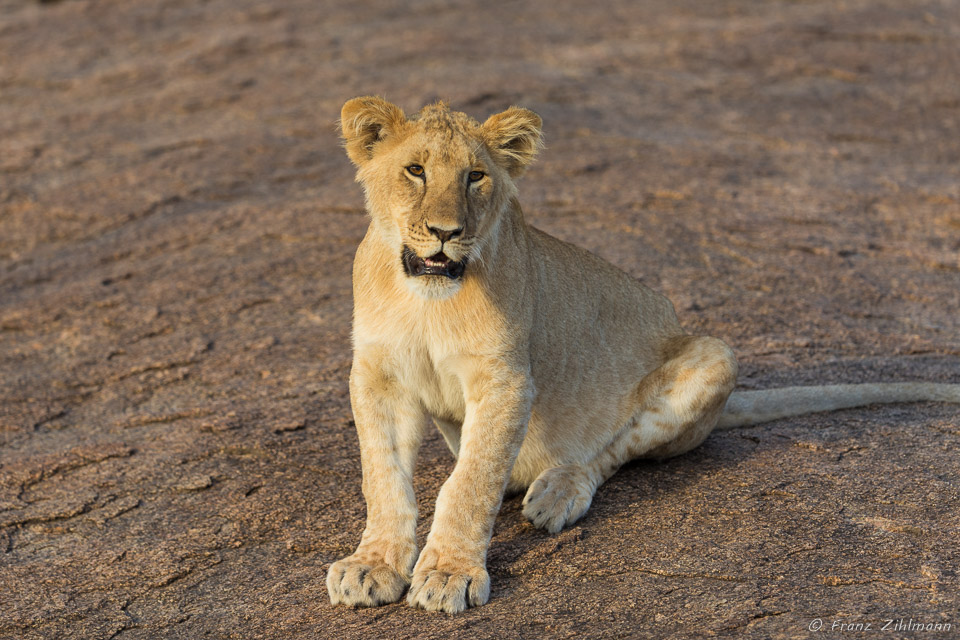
594	316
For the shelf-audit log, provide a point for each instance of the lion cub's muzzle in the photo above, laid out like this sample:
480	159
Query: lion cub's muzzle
436	265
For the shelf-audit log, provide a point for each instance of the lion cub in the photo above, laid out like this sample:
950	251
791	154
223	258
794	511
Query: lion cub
544	367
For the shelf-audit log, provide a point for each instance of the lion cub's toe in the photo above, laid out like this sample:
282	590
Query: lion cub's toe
558	498
361	585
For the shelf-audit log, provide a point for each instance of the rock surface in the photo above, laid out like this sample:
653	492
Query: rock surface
177	225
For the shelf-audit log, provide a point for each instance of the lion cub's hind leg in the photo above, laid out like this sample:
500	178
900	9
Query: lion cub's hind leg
678	404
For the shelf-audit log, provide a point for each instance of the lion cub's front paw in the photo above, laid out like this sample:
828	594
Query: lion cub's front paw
558	497
357	584
438	586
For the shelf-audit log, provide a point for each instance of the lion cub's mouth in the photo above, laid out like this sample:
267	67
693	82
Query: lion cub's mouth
436	265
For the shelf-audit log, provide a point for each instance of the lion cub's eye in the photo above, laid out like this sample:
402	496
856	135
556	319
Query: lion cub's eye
415	170
476	176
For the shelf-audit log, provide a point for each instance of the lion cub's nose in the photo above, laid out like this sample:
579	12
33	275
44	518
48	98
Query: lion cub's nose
445	234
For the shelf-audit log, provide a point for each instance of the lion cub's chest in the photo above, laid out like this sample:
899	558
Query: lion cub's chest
440	392
434	383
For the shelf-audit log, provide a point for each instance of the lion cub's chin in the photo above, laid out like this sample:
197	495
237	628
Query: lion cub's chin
433	287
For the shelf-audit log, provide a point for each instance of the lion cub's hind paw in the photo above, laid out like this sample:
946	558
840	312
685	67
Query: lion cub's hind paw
361	585
558	498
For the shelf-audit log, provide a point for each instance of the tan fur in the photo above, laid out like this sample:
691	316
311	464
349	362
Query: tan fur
544	367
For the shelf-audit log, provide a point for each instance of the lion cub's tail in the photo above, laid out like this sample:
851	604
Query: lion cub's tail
746	408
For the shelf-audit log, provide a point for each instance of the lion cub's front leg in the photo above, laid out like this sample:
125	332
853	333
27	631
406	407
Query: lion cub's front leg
390	427
451	573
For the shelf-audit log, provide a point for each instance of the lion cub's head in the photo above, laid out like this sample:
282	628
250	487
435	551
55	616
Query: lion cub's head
437	183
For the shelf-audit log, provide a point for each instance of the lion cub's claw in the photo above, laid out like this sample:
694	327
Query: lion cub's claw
357	584
558	498
436	590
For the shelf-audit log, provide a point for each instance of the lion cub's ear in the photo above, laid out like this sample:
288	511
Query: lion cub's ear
514	138
366	121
